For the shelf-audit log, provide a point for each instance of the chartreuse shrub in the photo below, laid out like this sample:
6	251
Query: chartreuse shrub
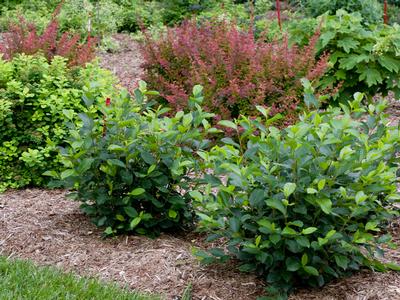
33	95
130	169
306	204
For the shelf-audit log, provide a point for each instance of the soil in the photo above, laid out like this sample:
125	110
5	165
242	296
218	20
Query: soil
44	226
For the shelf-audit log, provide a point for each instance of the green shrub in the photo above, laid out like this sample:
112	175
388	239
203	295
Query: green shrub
35	11
33	94
137	13
104	16
306	204
370	10
130	169
364	58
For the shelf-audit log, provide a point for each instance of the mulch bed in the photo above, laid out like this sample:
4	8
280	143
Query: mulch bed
125	63
44	226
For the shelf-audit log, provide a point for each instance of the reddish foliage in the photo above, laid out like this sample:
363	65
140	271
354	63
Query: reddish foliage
237	71
23	38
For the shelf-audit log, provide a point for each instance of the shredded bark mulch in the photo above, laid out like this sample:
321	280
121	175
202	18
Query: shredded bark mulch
44	226
125	62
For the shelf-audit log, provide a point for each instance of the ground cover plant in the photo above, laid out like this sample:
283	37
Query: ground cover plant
34	92
130	169
237	71
306	204
23	280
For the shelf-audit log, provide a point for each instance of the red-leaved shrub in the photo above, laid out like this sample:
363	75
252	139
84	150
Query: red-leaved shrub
22	37
237	71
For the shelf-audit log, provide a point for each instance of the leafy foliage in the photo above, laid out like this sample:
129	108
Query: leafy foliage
237	71
33	94
130	169
370	10
306	204
364	58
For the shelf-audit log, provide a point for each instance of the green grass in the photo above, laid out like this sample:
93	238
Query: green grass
23	280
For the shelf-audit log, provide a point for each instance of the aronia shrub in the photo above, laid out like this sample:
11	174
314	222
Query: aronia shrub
130	168
236	70
307	204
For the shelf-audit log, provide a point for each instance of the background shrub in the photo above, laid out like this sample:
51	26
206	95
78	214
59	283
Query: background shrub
33	94
130	169
364	58
237	71
24	38
370	10
306	204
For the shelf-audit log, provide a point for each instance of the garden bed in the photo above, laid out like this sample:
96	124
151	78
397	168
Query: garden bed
44	226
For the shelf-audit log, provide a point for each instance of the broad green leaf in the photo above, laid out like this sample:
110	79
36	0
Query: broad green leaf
325	204
120	218
360	197
348	44
234	224
196	195
130	211
276	204
172	214
137	192
304	259
258	240
151	169
311	270
391	64
257	197
67	173
309	230
289	189
227	123
292	264
116	162
135	222
289	231
371	225
311	191
371	75
321	184
342	261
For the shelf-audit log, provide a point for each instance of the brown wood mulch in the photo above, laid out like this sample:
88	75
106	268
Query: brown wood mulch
125	62
44	226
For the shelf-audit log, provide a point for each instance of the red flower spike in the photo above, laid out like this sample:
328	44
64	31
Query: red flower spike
108	102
